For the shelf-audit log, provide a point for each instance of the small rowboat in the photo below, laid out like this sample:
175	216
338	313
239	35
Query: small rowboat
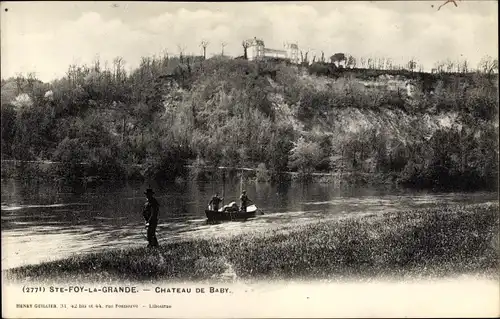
231	212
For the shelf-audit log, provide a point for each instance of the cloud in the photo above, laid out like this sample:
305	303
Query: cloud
360	28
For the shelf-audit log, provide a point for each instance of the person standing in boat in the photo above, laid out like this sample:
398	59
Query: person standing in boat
150	213
215	201
244	201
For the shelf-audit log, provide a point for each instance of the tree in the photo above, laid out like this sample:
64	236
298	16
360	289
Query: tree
381	63
449	65
439	67
22	101
465	66
388	64
31	79
8	126
351	61
338	58
245	44
412	64
96	64
488	65
305	156
181	49
19	83
370	63
118	72
363	62
223	45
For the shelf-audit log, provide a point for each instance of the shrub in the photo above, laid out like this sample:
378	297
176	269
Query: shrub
262	174
305	156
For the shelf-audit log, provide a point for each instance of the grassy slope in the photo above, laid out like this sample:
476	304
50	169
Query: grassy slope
433	242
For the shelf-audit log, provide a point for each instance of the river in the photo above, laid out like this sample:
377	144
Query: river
43	221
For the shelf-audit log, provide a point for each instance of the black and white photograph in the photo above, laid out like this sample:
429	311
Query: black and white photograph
249	159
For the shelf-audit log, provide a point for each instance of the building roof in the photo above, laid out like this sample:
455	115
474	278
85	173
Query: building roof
256	41
266	50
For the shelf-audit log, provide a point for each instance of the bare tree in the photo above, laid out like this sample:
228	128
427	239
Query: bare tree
494	66
164	58
381	63
363	62
245	44
458	66
351	61
204	45
96	64
19	83
488	65
71	74
439	67
223	45
370	63
388	64
322	56
412	64
465	66
30	80
449	65
117	68
181	49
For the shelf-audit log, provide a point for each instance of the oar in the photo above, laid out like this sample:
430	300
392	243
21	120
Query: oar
223	186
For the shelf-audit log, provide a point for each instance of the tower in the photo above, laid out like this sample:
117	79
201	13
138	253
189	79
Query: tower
292	52
255	49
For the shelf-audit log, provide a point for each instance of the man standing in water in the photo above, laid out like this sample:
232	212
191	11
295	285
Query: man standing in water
150	214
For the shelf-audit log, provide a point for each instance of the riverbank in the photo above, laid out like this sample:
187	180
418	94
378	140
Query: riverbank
47	170
397	245
51	171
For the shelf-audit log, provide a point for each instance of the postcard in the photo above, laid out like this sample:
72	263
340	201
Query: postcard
249	159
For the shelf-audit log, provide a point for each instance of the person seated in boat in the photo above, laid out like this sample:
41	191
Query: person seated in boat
214	202
231	207
244	201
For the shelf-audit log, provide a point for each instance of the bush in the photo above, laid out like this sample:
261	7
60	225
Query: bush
305	156
71	153
262	174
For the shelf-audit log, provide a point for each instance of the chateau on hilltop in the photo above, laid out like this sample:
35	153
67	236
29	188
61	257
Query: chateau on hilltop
257	50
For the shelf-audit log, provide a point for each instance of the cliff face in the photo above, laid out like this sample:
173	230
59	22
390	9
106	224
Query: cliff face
403	108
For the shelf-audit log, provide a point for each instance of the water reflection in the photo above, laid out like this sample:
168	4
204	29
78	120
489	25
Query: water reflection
46	222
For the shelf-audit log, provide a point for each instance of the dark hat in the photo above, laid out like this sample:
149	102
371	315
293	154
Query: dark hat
243	192
149	191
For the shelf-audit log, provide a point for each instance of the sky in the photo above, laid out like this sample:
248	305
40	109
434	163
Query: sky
46	37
